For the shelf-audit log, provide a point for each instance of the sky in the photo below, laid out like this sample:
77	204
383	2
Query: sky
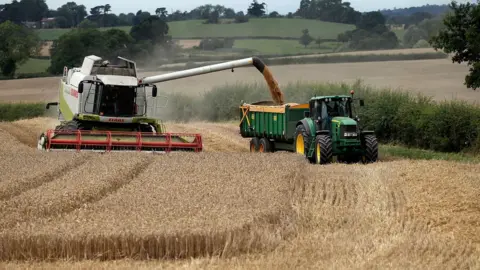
281	6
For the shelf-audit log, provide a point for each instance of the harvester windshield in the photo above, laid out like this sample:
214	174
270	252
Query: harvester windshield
116	101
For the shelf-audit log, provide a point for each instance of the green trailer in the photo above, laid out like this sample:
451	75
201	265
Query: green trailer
322	130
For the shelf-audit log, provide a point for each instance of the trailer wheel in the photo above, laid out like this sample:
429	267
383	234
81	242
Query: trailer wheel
254	144
323	149
371	149
265	146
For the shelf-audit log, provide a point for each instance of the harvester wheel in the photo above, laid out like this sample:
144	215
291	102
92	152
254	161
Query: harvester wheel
70	126
323	149
254	144
265	146
371	149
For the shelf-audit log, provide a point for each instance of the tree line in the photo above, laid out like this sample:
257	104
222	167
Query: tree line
72	14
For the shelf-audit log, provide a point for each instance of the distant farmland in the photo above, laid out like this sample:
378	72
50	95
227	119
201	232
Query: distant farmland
278	27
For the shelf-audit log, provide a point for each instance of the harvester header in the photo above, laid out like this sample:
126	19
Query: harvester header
103	107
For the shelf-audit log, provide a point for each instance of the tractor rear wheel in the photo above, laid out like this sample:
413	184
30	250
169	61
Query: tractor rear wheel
323	149
264	146
254	144
371	149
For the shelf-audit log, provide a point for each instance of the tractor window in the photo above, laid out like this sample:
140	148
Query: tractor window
338	108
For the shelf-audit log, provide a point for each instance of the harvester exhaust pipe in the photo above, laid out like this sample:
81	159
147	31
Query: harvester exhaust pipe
275	91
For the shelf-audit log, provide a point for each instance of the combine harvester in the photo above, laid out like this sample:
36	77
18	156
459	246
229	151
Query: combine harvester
103	107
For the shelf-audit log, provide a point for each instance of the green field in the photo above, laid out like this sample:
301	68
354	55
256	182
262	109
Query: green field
269	46
278	27
34	66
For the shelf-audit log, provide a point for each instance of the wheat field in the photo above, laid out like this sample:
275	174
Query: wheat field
230	210
440	79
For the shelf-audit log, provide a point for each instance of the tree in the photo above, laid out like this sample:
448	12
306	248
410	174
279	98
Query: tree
274	14
71	48
229	13
87	24
33	10
413	35
343	37
17	44
462	39
213	17
328	10
162	13
73	14
152	29
11	12
319	41
256	9
305	39
241	18
417	17
370	20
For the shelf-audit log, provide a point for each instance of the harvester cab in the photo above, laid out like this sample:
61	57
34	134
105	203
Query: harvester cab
103	107
330	129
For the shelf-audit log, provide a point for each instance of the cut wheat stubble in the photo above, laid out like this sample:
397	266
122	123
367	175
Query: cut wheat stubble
182	205
89	182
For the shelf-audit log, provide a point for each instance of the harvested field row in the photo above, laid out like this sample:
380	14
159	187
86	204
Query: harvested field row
389	214
172	210
178	205
386	215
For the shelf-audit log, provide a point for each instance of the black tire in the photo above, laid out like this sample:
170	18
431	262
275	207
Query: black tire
72	125
264	146
323	149
371	149
254	144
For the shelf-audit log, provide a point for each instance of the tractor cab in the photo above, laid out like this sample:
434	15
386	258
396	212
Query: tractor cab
327	109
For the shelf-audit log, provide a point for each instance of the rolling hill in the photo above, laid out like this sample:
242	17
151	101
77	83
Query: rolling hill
271	27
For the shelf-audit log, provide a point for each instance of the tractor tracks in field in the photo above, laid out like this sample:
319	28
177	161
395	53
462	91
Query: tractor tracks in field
13	189
75	189
21	133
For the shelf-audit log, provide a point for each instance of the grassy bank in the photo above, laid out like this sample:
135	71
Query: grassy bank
388	152
17	111
396	117
326	59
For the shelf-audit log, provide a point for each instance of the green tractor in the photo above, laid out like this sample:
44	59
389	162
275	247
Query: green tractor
320	130
330	130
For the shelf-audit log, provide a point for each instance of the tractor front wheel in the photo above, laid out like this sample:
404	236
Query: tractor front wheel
323	149
371	149
300	141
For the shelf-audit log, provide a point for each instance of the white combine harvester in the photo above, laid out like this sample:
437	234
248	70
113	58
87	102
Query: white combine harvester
103	107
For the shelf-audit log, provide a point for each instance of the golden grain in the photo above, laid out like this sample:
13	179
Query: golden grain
271	211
